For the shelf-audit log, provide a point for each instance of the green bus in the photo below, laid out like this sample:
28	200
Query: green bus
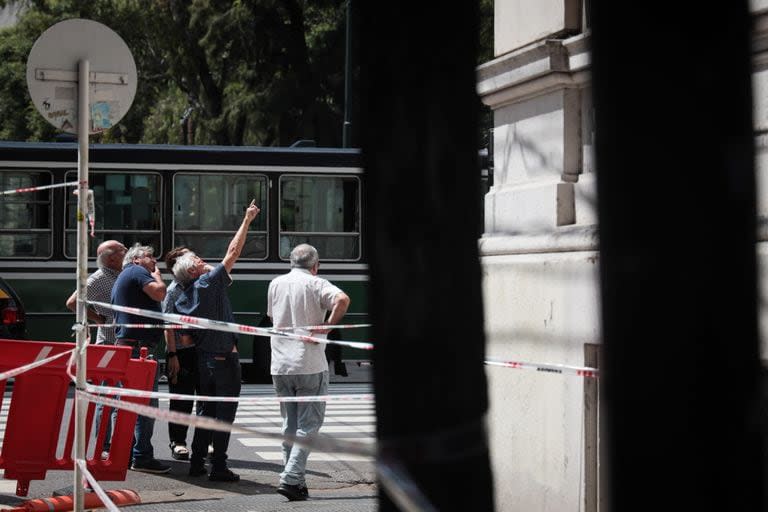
165	196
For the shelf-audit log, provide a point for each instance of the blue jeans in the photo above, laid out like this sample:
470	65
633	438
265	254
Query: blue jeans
300	419
142	434
218	375
111	419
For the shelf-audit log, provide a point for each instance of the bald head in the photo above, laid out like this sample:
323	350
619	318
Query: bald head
110	254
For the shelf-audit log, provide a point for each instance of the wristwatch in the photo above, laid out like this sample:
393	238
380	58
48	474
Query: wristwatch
170	354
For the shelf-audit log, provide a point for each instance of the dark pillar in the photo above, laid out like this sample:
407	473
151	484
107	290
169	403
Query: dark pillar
676	190
419	116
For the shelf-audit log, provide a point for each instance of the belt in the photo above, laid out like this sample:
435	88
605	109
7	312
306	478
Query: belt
126	342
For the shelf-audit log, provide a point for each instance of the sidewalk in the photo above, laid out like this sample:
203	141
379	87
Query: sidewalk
341	490
331	491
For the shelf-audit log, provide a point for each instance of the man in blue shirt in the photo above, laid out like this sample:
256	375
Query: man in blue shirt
218	362
140	285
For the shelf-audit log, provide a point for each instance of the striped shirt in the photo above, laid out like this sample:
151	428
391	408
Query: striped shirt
100	285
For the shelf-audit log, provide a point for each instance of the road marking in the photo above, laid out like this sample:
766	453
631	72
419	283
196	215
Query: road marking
345	421
338	429
272	443
318	457
351	420
328	407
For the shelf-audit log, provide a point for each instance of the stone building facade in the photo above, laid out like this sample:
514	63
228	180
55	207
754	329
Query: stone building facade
540	251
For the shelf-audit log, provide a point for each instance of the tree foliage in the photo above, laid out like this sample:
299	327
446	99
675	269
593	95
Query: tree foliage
227	72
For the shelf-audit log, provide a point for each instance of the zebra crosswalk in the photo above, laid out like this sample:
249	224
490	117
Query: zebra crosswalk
344	421
349	420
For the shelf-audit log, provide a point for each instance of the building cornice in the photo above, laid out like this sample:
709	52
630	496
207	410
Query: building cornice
537	69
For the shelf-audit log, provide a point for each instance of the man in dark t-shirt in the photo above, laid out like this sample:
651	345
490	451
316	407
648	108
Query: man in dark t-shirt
218	362
140	285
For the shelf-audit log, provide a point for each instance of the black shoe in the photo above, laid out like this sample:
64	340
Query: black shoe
197	470
179	451
223	475
150	466
293	492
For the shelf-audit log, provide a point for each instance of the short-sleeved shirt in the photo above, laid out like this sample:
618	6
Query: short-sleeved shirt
297	299
100	285
129	291
169	306
206	297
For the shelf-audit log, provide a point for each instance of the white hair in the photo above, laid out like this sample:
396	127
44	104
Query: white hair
183	265
137	251
304	256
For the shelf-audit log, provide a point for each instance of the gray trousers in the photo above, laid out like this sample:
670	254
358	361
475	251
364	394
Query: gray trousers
300	419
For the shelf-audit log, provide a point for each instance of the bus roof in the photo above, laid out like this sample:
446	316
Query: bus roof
178	154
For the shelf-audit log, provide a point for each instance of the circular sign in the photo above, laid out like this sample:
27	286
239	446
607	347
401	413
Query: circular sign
52	71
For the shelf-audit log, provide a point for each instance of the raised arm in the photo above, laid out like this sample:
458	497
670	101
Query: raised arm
237	243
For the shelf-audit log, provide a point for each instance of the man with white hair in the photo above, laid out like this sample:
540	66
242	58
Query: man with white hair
204	295
299	368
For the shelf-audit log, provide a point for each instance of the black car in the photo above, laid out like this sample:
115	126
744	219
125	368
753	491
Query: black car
13	322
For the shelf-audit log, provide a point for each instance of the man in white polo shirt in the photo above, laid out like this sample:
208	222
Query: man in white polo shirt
301	298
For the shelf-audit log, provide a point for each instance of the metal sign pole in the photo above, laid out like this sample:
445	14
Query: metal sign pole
81	406
64	54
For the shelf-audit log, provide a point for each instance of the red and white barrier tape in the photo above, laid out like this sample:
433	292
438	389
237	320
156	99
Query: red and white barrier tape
40	362
72	365
401	487
318	442
321	327
180	326
109	390
581	371
92	213
91	210
217	325
205	323
41	187
105	500
148	326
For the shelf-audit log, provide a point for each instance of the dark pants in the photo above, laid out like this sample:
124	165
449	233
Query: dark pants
218	375
186	384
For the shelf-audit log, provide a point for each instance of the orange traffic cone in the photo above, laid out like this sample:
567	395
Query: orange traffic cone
66	503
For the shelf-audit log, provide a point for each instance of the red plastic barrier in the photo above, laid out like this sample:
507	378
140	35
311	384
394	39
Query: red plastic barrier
40	430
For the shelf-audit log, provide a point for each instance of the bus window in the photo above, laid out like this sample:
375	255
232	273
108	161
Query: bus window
208	209
25	218
323	211
127	209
